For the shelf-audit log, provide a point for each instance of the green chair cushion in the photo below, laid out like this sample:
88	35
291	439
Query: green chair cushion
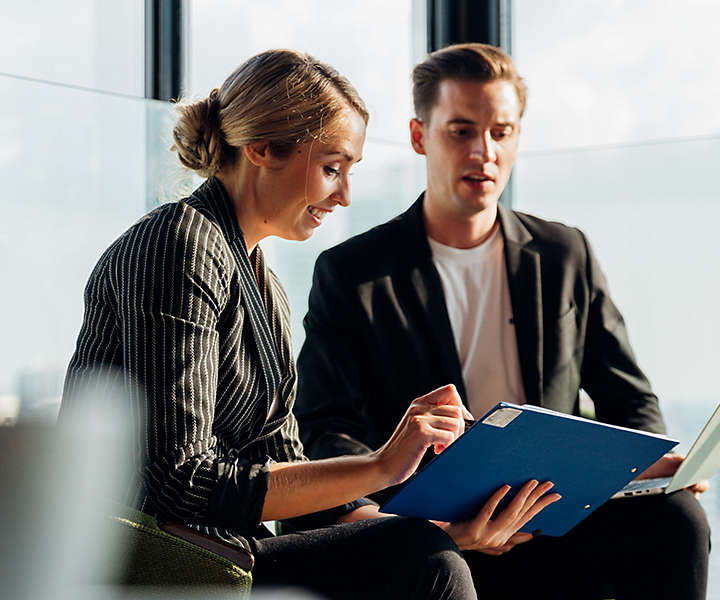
154	557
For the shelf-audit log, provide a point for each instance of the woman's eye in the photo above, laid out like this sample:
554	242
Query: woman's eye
332	171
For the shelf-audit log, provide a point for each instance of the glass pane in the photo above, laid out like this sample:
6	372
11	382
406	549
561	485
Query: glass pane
73	166
651	214
376	52
604	72
86	43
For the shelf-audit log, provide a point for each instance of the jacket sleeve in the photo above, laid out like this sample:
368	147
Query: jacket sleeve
171	284
329	403
610	374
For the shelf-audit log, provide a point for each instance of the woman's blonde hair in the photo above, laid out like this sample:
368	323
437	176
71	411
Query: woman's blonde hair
282	97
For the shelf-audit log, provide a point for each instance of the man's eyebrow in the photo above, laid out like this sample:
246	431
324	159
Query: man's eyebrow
460	121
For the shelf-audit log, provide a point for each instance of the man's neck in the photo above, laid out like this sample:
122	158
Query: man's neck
459	231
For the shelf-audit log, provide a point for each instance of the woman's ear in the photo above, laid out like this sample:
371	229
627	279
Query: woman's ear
258	153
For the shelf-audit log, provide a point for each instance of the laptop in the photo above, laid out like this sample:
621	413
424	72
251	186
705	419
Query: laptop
702	462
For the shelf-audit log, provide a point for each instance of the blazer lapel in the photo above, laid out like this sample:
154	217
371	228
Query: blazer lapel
428	287
523	272
214	198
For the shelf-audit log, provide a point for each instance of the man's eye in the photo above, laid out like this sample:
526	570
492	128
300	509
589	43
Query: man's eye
499	134
462	132
332	172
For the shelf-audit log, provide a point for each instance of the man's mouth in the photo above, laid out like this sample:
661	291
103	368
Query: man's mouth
477	177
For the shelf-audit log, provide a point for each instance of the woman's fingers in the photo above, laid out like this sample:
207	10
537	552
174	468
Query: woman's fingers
444	410
446	395
443	402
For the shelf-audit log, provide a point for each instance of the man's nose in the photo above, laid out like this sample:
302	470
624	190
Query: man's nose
484	148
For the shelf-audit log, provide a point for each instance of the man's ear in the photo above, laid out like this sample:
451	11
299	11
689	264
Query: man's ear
258	153
417	135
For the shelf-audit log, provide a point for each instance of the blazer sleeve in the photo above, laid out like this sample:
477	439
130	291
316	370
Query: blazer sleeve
171	283
329	404
610	374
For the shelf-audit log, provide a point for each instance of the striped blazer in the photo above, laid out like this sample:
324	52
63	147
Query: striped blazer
197	332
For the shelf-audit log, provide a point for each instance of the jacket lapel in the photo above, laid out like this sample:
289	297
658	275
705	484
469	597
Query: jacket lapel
428	287
212	195
523	272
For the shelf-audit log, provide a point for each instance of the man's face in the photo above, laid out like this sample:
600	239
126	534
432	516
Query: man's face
470	143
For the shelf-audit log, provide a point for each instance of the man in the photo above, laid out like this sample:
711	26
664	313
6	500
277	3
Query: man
506	306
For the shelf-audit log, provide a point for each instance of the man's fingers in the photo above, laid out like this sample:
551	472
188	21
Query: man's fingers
665	466
518	502
520	538
539	491
489	507
538	506
699	487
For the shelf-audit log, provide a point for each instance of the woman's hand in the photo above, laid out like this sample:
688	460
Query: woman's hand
497	536
299	488
436	419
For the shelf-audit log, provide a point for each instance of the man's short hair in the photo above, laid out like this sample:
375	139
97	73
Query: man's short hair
465	62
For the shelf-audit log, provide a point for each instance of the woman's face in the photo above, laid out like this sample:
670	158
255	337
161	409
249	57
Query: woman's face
300	191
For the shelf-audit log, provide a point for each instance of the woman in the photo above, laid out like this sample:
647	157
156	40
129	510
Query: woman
184	306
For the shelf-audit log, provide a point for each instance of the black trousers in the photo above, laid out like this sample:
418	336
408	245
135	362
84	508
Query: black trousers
391	558
651	547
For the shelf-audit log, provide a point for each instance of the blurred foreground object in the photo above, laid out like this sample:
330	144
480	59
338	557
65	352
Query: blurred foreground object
65	536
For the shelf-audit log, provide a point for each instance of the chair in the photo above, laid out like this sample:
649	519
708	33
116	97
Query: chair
169	554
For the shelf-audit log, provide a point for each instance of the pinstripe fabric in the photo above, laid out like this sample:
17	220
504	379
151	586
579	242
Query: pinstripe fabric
199	333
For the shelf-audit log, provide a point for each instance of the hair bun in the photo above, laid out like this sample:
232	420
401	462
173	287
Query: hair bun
197	136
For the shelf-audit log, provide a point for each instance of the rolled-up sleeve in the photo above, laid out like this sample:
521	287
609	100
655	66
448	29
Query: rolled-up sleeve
170	277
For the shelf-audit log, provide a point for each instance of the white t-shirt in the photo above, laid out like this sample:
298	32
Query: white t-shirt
478	302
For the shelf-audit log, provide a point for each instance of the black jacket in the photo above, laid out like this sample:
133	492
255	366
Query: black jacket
378	333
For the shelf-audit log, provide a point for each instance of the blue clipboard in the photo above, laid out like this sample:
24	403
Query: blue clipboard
587	461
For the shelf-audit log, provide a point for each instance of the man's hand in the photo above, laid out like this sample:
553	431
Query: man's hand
666	467
497	536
